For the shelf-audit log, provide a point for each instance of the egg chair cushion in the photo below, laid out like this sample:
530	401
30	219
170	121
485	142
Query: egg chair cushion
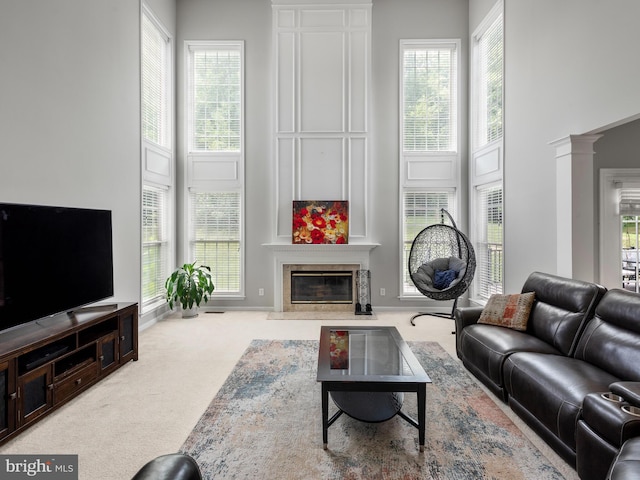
439	274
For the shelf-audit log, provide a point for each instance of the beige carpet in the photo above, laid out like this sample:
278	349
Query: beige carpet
149	407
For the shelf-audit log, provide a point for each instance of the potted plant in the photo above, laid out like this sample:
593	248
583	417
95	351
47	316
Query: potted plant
189	285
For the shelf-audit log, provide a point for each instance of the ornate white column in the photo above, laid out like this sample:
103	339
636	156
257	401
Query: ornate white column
575	207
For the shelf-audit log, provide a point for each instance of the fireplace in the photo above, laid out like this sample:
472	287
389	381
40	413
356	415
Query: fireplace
349	257
330	288
315	287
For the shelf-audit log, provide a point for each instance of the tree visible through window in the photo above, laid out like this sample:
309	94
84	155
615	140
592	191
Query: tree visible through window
215	224
216	100
429	99
215	114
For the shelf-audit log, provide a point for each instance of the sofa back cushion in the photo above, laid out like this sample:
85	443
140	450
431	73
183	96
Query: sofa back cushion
562	308
611	341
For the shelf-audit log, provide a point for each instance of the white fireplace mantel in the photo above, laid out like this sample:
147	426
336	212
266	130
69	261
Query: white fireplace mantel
312	254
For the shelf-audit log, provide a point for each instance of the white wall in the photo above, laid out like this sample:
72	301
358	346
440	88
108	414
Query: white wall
250	20
571	68
69	114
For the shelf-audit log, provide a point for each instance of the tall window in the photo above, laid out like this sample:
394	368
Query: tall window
155	82
428	140
487	152
429	98
154	242
215	160
489	241
489	57
215	234
157	158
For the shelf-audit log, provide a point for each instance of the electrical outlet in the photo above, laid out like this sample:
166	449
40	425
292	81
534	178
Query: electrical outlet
383	292
261	292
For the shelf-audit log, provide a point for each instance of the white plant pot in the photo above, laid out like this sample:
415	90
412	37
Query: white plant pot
190	312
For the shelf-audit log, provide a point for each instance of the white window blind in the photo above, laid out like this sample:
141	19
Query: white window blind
630	201
489	55
488	245
215	237
215	92
420	209
155	83
429	103
155	246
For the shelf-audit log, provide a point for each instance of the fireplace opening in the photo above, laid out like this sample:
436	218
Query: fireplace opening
321	287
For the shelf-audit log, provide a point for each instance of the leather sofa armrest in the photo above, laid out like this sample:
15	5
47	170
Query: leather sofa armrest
630	391
173	466
464	316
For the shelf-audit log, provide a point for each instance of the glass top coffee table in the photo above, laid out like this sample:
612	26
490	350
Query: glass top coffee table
367	370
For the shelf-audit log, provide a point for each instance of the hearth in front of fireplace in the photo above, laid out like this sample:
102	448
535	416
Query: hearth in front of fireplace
321	287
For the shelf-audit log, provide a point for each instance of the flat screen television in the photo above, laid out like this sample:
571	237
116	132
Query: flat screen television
52	260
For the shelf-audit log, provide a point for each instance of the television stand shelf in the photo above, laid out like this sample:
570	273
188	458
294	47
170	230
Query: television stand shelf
46	363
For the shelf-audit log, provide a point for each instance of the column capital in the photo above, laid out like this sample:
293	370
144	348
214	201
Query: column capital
575	144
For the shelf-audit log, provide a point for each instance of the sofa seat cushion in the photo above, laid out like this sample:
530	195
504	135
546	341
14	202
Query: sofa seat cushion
552	388
485	347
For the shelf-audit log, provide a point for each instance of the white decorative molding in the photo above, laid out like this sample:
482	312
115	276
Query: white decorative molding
214	171
285	254
157	165
322	72
575	223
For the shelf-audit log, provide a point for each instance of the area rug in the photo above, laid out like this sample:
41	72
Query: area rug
265	422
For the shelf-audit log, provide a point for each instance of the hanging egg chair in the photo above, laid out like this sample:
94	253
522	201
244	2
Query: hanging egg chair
441	263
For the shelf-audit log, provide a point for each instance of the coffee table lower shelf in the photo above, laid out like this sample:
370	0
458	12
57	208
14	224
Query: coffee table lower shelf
389	407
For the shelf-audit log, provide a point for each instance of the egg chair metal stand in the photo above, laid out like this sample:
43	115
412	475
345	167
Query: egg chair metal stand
441	263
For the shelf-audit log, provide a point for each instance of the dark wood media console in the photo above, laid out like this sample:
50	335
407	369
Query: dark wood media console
46	363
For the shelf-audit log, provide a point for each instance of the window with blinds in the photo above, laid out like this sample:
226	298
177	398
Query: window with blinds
215	92
155	245
429	97
156	131
489	71
488	244
155	83
215	233
419	210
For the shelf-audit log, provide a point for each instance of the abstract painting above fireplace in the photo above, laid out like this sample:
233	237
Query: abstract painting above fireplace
320	222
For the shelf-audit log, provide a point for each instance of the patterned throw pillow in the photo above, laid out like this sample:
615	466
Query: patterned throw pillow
511	311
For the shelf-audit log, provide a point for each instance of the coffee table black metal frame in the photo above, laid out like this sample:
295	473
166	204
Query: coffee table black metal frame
416	381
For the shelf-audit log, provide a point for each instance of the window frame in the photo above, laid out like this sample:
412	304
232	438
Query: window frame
158	159
428	171
486	158
214	171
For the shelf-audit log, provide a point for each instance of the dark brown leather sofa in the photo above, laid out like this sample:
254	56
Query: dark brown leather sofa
581	342
172	466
